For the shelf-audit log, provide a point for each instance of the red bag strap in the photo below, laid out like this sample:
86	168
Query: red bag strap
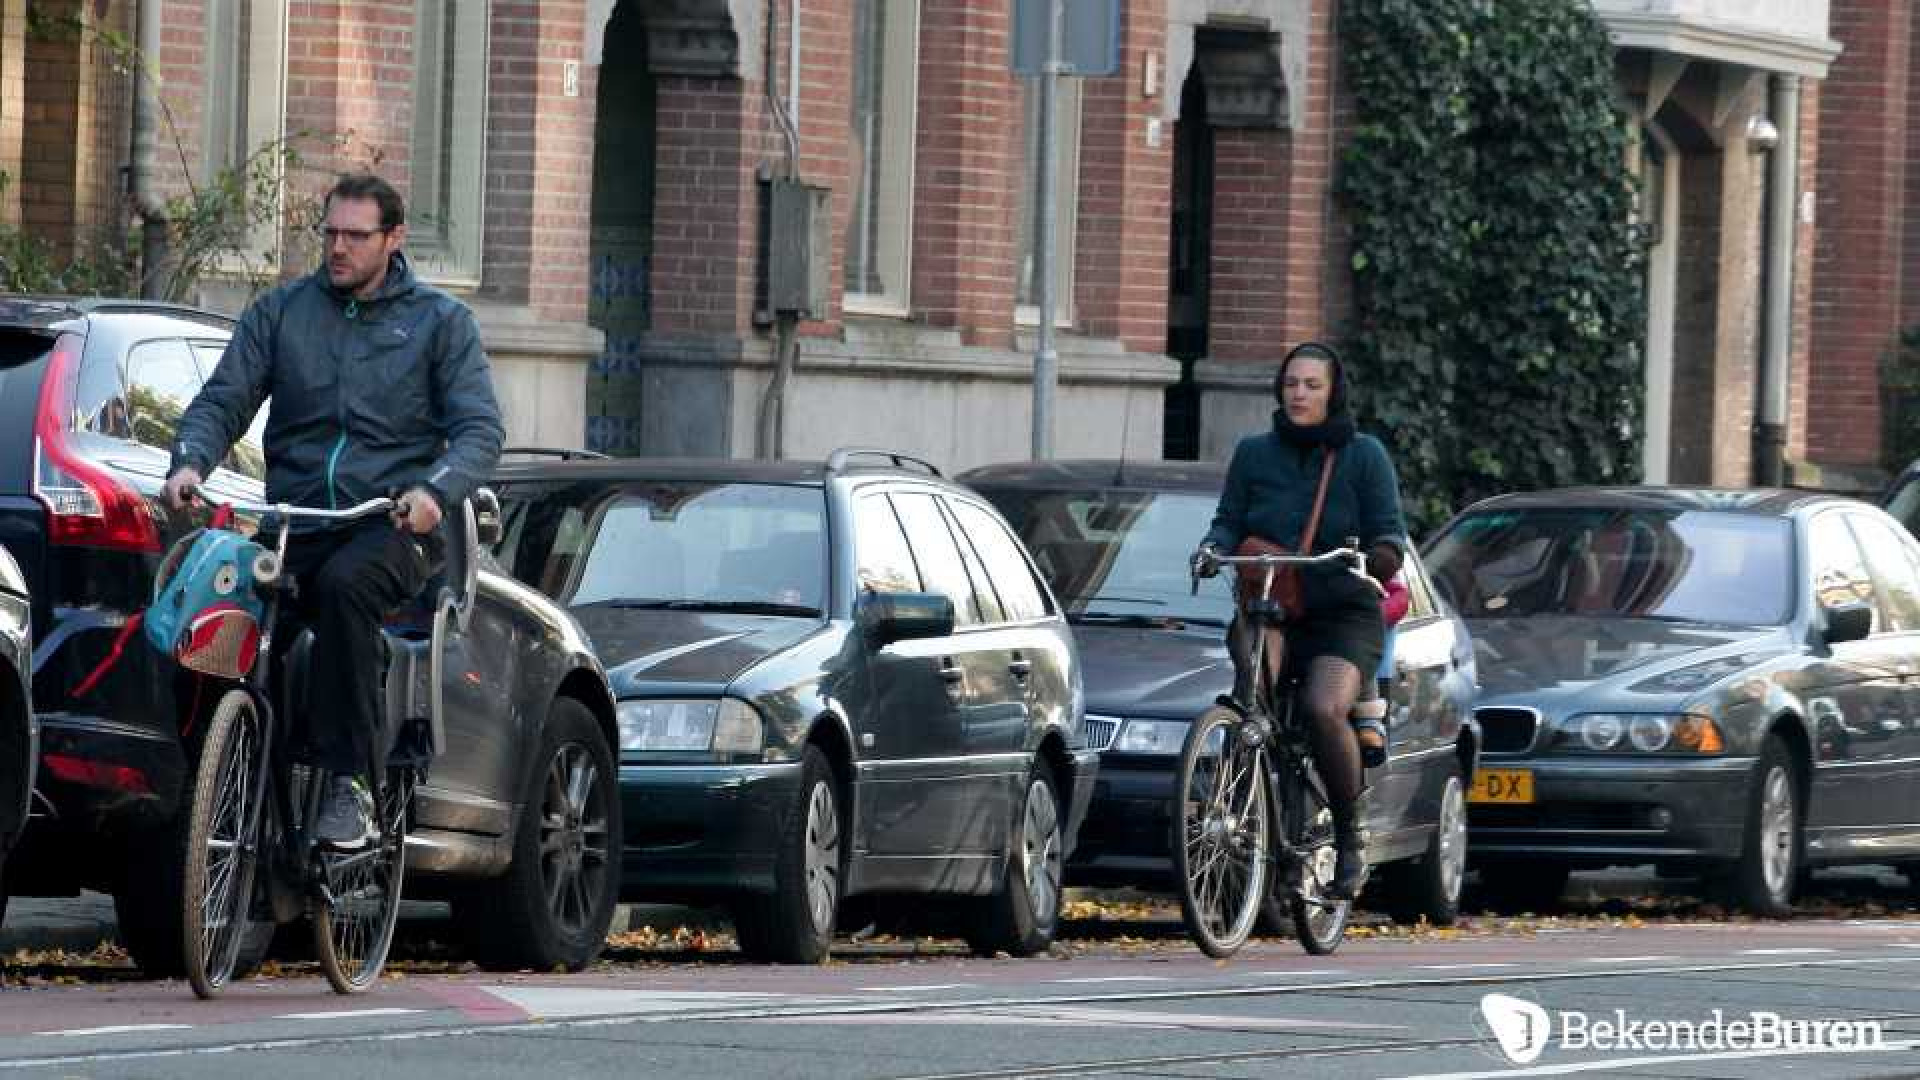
1319	502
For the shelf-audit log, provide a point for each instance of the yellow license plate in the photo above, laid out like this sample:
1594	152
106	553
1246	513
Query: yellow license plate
1501	786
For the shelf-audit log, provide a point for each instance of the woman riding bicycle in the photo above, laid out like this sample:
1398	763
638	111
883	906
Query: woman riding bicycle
1335	642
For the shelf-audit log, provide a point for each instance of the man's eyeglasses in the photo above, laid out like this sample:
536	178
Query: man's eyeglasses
328	234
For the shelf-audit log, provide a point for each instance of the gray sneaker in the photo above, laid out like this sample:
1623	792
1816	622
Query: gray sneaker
346	816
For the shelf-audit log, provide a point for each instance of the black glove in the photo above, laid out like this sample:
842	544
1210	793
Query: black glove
1203	563
1383	562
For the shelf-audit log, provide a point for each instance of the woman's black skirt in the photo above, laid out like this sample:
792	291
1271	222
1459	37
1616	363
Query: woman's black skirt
1342	621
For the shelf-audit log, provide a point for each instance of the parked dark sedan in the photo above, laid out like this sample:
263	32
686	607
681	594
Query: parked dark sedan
90	392
1113	540
19	731
1711	681
833	682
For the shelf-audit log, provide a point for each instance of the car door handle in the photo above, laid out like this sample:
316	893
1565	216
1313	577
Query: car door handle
951	673
1021	668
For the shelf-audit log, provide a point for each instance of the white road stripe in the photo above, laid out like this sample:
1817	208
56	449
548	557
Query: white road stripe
1783	952
1461	967
1610	1064
1115	979
117	1029
1316	973
907	989
346	1014
1627	959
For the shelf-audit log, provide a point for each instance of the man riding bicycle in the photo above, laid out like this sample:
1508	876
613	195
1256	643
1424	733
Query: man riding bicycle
379	386
1314	473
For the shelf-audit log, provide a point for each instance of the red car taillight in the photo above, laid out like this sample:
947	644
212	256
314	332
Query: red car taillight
86	505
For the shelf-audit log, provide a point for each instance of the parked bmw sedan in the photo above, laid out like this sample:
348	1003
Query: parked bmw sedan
19	732
1113	540
839	682
1719	682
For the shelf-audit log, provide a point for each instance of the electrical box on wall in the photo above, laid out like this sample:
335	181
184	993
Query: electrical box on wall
799	248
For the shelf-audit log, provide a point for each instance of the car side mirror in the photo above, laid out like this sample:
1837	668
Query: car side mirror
889	617
1852	621
486	518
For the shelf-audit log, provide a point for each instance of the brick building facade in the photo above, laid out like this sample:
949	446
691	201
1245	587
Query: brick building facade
481	113
590	173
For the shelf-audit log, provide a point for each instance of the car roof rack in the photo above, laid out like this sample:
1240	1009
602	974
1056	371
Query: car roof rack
562	453
841	460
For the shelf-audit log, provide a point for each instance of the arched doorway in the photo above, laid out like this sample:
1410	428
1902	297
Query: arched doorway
621	245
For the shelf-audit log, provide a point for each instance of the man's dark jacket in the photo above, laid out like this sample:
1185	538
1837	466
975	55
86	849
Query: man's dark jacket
370	397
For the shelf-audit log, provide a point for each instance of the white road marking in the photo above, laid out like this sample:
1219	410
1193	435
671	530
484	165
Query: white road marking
1461	967
1316	973
117	1029
1610	1064
1783	952
1627	959
347	1014
568	1002
1115	979
908	989
1084	1015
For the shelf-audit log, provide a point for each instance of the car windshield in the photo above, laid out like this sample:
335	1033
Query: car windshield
754	548
1119	555
1683	565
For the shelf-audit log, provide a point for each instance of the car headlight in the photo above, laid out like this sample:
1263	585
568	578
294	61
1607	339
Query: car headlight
1645	733
724	726
1151	737
11	579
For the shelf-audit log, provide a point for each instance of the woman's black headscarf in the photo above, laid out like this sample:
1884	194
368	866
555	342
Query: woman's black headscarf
1337	429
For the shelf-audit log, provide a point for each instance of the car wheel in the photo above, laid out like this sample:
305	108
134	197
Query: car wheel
554	905
1021	918
794	924
1521	888
1764	879
1428	885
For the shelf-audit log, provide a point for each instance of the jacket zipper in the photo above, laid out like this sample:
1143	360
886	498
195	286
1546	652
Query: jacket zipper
333	459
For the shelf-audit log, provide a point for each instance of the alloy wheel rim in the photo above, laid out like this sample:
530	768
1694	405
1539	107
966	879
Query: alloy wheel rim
1453	839
823	856
573	836
1776	830
1040	852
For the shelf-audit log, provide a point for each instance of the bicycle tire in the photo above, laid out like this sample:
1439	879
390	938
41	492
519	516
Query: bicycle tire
224	821
1319	921
1222	830
353	926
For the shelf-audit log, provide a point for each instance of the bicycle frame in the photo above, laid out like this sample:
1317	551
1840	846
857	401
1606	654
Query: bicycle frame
287	848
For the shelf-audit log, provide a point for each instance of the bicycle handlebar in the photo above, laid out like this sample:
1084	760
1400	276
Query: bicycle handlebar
308	513
1349	555
1346	555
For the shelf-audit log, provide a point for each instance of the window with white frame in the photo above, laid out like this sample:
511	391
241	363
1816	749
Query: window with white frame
244	114
1066	200
886	47
448	168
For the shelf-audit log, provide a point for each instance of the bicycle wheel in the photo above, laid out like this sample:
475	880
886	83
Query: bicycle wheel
1319	920
223	842
353	925
1221	830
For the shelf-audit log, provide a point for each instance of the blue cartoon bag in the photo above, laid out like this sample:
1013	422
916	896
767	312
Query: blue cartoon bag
206	608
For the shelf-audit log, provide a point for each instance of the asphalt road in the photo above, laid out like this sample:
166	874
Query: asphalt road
1120	999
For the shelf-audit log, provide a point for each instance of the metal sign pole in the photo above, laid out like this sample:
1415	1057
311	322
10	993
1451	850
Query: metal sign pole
1046	363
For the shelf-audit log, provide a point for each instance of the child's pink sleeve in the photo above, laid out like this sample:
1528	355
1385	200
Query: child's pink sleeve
1393	606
